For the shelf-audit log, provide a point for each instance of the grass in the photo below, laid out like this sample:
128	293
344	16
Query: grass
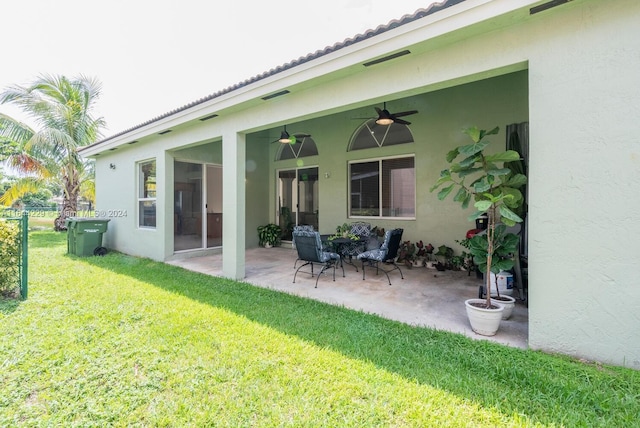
124	341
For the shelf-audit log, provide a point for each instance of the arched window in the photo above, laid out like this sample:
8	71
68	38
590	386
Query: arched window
371	135
302	147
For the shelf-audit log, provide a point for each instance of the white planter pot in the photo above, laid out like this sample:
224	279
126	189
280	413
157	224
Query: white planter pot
267	245
484	321
508	304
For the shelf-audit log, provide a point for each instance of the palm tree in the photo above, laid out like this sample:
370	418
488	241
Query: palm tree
61	108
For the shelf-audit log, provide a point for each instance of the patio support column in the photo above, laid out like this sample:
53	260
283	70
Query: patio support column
233	205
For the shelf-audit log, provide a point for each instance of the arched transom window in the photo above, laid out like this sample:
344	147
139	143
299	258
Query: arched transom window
371	135
302	147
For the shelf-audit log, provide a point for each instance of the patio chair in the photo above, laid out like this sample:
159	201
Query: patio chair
352	249
309	247
305	227
384	255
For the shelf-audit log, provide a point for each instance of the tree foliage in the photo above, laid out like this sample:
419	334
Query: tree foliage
62	110
495	190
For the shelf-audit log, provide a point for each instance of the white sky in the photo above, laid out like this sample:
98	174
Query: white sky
153	56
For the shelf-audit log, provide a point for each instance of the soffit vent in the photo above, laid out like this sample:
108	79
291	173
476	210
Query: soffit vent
547	5
277	94
211	116
387	58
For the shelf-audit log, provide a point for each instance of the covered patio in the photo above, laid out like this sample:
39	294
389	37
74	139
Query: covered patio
425	297
446	68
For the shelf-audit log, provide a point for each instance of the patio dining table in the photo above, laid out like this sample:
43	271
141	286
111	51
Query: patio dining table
338	244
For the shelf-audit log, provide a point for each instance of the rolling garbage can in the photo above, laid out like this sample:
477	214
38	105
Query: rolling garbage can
84	236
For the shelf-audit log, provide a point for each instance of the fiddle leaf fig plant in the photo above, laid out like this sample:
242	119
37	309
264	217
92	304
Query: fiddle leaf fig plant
494	189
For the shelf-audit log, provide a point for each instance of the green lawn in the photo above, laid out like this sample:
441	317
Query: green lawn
124	341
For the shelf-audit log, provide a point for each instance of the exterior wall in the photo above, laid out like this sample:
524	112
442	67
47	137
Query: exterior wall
116	199
583	104
584	180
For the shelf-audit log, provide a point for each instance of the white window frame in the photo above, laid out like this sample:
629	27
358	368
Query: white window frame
380	190
140	192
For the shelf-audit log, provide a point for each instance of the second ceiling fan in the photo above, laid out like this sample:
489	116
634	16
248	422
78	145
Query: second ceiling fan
386	118
286	138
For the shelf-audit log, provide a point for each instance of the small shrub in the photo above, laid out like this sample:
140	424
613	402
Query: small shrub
9	253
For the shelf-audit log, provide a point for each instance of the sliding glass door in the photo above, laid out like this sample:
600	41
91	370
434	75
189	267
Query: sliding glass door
297	199
197	215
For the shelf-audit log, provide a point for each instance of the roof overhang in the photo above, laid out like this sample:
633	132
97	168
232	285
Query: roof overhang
441	23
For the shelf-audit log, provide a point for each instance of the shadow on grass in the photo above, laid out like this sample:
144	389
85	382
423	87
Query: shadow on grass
543	388
9	304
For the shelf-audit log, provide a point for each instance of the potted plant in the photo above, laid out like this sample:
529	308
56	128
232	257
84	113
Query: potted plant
444	255
343	231
460	262
494	188
269	235
421	255
468	264
406	253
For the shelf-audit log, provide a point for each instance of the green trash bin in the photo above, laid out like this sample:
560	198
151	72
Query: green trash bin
70	224
84	236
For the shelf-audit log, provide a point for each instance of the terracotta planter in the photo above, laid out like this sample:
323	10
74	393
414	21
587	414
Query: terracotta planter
484	321
508	302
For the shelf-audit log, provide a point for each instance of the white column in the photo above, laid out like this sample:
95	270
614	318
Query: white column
165	193
233	205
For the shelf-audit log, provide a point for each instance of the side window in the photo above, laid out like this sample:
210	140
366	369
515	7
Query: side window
147	194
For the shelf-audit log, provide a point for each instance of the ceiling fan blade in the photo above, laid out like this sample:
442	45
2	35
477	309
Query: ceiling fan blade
378	111
302	135
405	113
401	121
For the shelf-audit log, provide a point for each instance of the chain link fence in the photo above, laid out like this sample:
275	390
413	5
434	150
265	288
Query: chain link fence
14	255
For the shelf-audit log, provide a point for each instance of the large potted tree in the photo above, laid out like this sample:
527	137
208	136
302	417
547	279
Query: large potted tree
486	179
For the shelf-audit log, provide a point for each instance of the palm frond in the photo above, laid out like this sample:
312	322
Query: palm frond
14	130
61	108
19	188
28	165
88	190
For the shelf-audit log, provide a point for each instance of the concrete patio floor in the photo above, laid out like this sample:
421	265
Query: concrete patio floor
425	297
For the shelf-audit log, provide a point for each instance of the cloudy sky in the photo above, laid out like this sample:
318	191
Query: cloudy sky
153	56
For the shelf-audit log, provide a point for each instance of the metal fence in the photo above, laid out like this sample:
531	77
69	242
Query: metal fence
17	256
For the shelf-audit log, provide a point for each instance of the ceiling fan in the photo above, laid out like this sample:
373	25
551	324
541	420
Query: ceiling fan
386	118
286	138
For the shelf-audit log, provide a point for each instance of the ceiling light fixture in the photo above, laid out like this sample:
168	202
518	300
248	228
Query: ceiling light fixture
384	117
285	138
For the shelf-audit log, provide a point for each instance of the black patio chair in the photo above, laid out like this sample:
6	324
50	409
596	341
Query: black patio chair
353	249
306	227
385	255
309	247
